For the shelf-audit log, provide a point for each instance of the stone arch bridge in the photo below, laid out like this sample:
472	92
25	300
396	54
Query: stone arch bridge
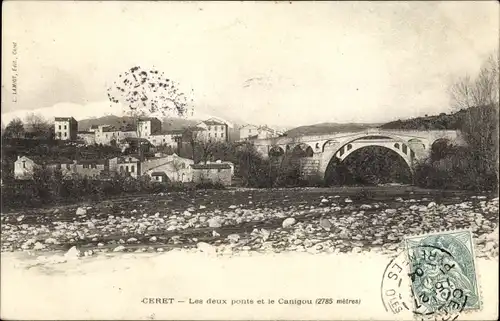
319	150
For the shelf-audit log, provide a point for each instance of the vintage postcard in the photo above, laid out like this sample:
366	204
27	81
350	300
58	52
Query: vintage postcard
249	160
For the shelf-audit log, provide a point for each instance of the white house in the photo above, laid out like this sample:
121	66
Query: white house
125	165
214	130
147	126
65	128
23	167
257	132
176	168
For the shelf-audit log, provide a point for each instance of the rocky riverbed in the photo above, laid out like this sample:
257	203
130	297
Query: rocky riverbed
238	222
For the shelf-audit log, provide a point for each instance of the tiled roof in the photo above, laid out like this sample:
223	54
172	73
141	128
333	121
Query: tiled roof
249	125
124	159
92	161
211	166
44	160
85	132
64	119
213	122
158	174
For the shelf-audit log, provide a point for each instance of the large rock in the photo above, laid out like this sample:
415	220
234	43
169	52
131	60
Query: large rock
72	254
265	234
288	222
206	248
51	240
81	211
214	222
233	238
39	246
119	248
325	224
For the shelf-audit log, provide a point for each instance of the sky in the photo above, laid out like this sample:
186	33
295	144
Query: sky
285	64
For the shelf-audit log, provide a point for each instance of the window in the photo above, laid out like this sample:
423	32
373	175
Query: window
67	166
222	128
221	134
121	169
215	135
65	127
24	164
65	134
126	169
216	128
208	134
132	169
209	127
219	170
94	166
85	165
59	126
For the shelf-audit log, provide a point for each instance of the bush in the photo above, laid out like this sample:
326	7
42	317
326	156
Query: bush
458	168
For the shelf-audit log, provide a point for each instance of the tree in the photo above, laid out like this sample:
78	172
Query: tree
14	129
148	92
481	90
478	96
38	126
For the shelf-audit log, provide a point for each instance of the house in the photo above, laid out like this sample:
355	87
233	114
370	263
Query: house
90	168
228	163
212	173
108	135
166	138
87	137
177	169
160	177
147	126
214	130
125	165
248	131
133	143
24	166
65	128
258	132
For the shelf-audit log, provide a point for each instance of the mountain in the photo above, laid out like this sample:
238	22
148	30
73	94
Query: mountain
437	122
328	128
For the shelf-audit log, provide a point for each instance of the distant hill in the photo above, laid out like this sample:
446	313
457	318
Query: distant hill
442	121
328	128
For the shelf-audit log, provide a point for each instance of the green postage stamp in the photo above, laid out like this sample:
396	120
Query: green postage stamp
443	275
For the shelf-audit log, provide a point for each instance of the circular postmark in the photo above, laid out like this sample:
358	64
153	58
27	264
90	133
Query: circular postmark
426	280
395	288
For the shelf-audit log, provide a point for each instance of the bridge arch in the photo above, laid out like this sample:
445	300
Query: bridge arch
276	151
302	150
352	144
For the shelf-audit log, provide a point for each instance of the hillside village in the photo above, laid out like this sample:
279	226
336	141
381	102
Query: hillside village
148	140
